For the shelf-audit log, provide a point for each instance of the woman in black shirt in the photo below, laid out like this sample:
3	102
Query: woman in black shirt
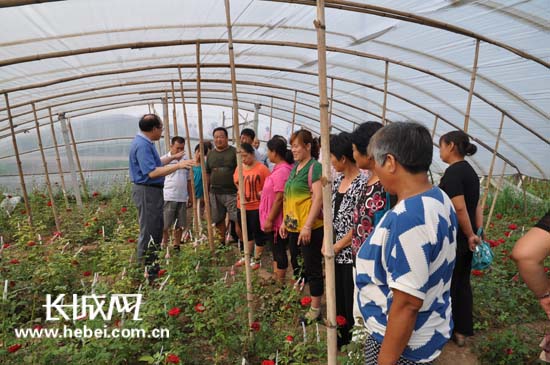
461	184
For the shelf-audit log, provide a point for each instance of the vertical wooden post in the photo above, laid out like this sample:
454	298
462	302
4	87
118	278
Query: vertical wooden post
327	186
294	111
19	165
58	159
174	116
196	209
166	122
489	176
499	185
249	295
471	92
331	104
69	154
201	147
82	180
46	172
435	126
385	92
271	119
149	106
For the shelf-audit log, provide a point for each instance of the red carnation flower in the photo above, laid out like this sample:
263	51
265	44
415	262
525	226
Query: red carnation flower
501	240
37	327
546	269
499	216
87	224
289	338
305	301
161	272
94	219
14	348
95	193
200	308
507	233
509	351
172	359
87	273
14	261
117	323
6	245
255	326
31	243
57	234
49	203
131	240
12	283
492	225
341	321
515	278
268	362
493	243
505	252
174	312
513	226
477	273
123	209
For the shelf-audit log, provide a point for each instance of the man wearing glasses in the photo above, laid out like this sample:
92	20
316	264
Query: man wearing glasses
147	171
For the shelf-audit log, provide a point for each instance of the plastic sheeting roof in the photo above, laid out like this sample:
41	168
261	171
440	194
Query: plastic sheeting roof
90	55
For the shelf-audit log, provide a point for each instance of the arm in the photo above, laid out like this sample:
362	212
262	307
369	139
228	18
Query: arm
276	209
401	320
464	221
479	216
529	254
168	169
343	242
316	204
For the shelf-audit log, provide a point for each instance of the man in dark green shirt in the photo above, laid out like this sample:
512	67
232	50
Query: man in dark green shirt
220	166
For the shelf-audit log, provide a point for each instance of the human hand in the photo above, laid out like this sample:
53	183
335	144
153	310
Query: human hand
189	203
268	226
473	241
178	156
304	236
283	232
185	164
545	304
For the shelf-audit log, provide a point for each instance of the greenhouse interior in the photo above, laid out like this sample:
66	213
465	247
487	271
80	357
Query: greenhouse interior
395	164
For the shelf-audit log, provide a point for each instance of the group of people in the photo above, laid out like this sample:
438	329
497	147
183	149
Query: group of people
403	247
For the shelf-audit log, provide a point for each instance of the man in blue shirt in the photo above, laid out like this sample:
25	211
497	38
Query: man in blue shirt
147	171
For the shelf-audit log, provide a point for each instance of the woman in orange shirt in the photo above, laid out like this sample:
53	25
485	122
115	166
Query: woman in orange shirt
254	175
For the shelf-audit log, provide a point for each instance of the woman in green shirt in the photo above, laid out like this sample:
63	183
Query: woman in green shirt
302	217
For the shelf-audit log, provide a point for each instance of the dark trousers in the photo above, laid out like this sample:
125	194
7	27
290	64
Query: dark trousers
279	251
344	300
149	202
461	291
313	268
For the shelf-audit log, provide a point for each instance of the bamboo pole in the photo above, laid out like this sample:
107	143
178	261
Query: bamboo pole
174	117
166	121
495	197
331	104
46	172
471	92
490	174
385	93
149	107
249	294
196	208
82	180
201	149
69	154
294	111
332	336
58	160
435	126
271	119
19	165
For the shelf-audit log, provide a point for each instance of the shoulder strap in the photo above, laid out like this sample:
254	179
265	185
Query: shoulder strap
310	177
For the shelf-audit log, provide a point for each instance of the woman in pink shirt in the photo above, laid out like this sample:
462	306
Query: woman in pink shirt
271	203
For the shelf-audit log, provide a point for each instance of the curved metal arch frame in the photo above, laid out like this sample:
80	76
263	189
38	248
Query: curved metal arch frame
136	45
312	94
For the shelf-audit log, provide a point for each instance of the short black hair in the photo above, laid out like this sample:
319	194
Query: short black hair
248	148
340	146
177	139
207	146
361	136
220	129
149	121
248	132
